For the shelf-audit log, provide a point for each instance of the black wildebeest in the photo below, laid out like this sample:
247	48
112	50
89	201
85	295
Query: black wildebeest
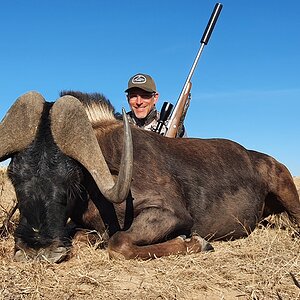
76	161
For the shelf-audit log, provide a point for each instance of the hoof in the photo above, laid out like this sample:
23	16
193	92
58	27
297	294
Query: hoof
196	244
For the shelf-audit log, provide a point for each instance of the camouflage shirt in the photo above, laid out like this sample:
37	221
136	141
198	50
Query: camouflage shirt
150	122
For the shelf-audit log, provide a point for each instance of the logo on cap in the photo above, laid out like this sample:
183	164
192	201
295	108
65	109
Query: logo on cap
139	79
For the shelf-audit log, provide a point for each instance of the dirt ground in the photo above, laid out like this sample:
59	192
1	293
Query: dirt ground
265	265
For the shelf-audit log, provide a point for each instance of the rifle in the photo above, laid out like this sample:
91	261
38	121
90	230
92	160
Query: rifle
174	122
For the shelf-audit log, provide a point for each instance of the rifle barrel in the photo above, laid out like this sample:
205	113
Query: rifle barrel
204	40
179	109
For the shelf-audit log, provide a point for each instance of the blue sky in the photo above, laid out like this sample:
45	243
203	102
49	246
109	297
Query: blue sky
245	88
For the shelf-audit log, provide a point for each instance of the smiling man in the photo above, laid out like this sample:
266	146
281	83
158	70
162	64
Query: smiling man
142	97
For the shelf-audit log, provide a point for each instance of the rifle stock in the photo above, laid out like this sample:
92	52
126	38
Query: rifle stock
179	111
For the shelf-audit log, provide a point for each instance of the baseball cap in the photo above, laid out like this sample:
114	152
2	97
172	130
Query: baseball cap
141	81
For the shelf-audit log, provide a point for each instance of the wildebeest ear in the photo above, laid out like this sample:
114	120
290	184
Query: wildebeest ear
74	135
19	125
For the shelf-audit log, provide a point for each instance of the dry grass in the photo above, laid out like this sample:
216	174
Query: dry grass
266	265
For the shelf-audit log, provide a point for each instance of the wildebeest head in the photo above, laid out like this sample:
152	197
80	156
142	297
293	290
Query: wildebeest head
48	182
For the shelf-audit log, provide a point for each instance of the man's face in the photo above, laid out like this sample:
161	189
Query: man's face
141	102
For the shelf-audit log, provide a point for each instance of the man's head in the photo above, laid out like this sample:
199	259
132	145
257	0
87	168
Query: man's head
141	94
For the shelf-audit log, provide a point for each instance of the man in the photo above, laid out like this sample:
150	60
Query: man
142	96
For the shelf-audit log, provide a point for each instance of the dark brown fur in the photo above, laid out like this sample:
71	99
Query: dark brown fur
213	187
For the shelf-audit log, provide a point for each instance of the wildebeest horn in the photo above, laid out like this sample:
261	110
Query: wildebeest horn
19	125
74	135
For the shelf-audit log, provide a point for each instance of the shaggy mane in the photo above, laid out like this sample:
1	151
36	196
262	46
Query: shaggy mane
97	106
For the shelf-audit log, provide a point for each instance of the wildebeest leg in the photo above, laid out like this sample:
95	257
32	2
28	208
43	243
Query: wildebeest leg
284	189
146	238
